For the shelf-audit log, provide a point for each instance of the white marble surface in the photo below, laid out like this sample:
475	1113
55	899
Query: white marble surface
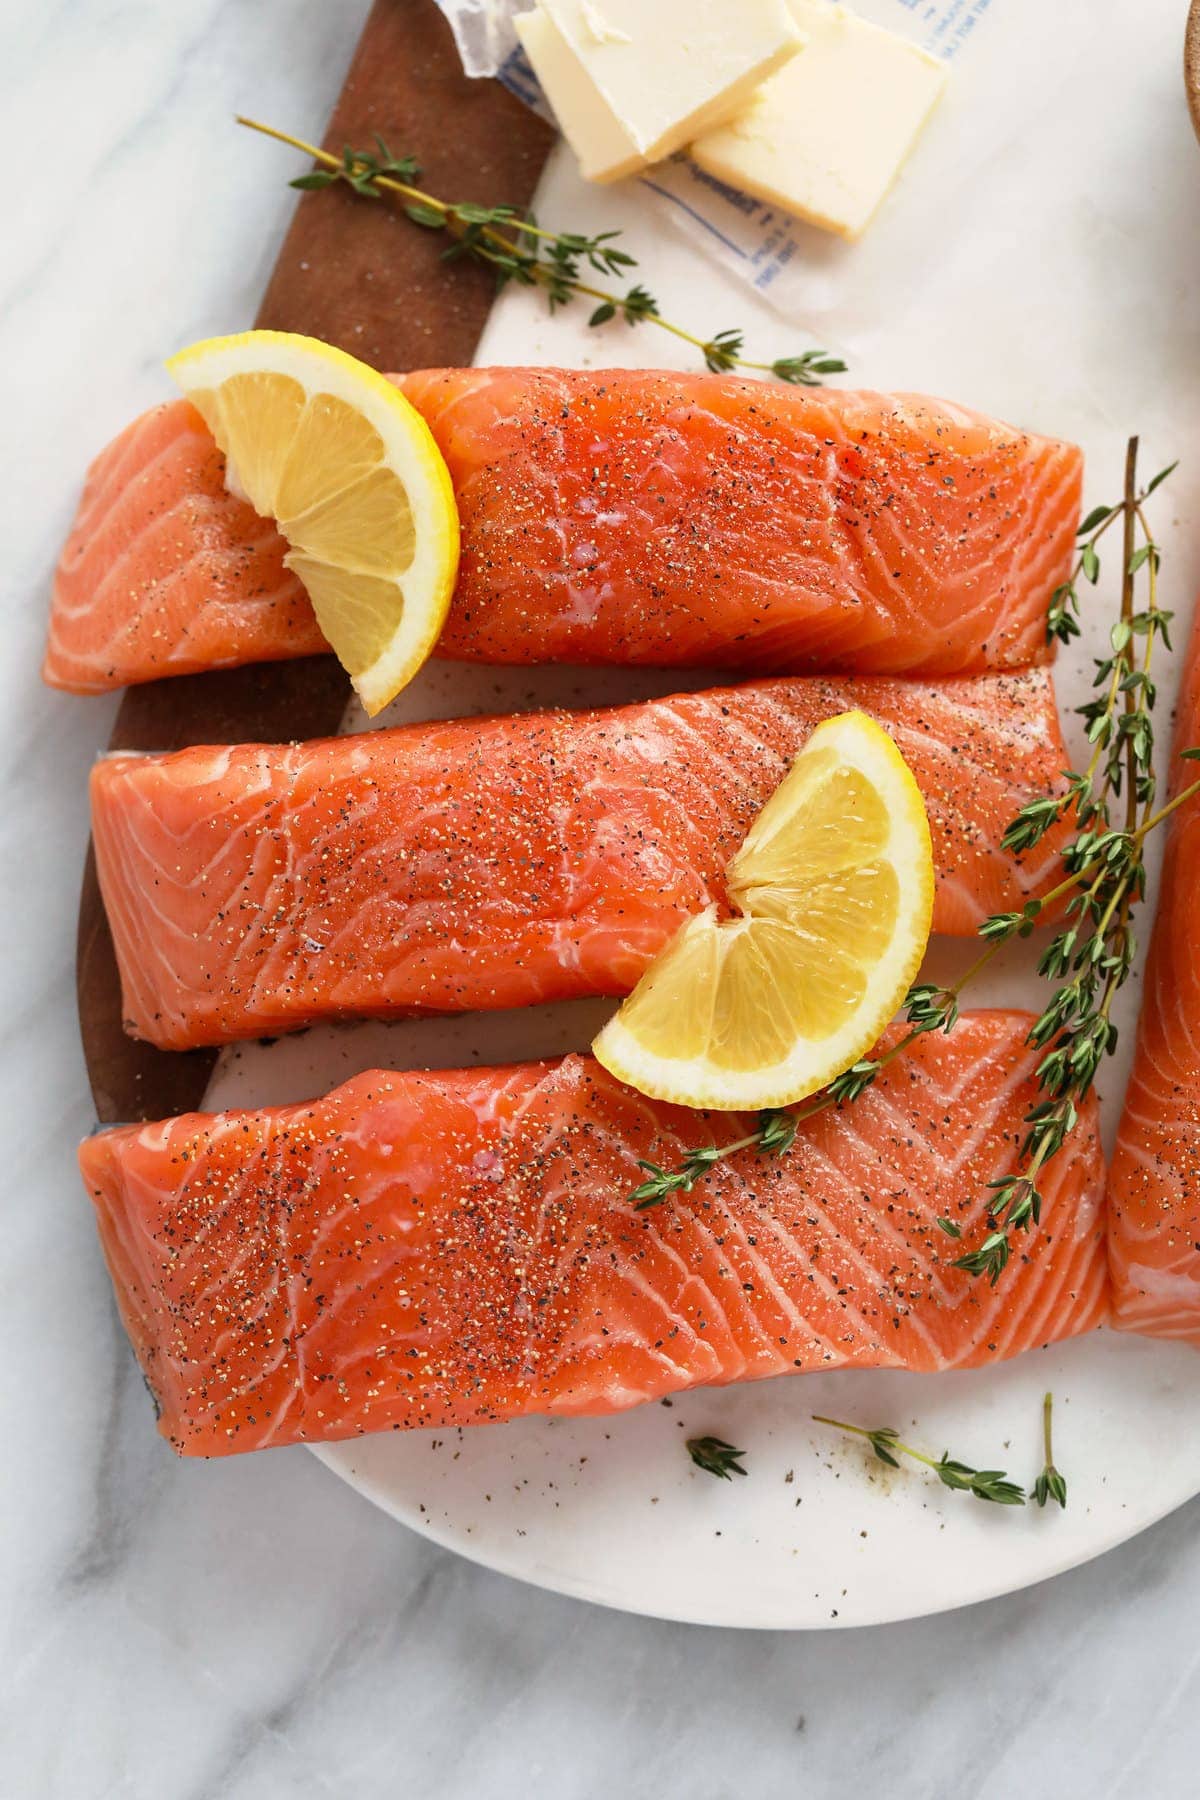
252	1630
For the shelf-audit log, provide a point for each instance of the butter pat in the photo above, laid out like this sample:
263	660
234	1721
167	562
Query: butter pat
631	81
599	140
825	138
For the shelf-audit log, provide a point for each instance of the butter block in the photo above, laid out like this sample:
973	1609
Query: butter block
604	149
826	137
631	81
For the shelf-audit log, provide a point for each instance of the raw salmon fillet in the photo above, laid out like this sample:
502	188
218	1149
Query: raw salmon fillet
1154	1183
497	862
164	572
452	1249
621	516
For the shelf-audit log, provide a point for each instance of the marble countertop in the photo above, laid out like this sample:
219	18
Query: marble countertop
254	1630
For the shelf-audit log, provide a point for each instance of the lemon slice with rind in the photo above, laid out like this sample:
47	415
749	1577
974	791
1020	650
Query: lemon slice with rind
350	472
833	891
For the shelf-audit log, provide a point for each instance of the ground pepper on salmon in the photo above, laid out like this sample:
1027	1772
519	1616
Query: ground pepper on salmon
619	516
458	1248
483	863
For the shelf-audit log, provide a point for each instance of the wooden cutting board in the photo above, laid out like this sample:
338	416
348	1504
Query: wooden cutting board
358	274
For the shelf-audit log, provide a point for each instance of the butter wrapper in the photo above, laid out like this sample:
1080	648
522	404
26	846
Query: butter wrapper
792	265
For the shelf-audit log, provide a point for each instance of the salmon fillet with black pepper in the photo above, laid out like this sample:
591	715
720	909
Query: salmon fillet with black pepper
619	516
1154	1183
454	1249
496	862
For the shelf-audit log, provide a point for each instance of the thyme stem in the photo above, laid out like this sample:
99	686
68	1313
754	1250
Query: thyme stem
520	249
1128	575
985	1484
1164	812
1050	1485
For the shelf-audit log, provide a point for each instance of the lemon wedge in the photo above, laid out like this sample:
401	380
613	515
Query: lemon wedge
350	472
833	888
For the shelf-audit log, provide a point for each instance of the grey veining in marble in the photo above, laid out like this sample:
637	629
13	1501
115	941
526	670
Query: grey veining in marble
253	1630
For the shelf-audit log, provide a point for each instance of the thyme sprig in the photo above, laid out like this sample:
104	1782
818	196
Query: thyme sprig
517	248
1050	1485
775	1134
1112	802
927	1008
716	1457
1091	954
992	1485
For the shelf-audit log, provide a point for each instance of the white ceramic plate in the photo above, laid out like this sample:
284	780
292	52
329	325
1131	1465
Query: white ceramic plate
1067	311
819	1533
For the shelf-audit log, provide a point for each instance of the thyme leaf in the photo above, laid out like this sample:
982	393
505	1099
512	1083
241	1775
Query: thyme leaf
716	1457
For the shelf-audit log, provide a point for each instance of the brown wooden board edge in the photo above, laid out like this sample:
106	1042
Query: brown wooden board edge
358	274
